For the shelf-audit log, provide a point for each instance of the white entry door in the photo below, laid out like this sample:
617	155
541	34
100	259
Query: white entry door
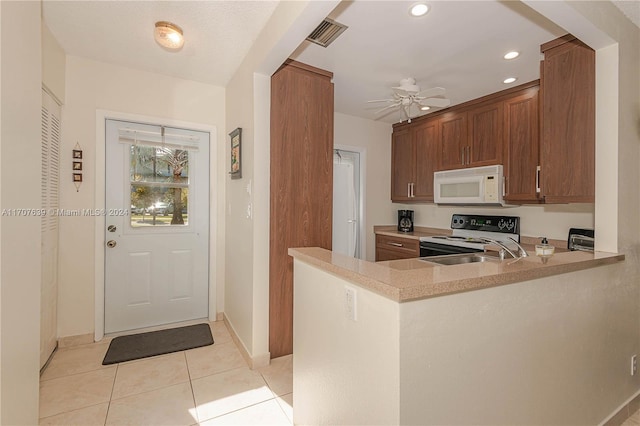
157	225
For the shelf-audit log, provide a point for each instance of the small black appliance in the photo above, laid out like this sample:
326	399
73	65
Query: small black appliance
405	220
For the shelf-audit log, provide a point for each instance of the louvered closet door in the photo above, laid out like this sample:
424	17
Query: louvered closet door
50	187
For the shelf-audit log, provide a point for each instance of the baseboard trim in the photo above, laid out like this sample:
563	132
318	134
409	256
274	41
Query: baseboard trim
253	362
625	411
77	340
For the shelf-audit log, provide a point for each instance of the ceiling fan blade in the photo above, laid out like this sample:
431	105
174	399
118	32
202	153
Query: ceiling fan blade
435	102
399	91
382	114
434	91
381	100
386	108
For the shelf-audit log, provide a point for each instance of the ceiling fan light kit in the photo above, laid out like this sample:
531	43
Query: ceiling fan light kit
168	35
408	94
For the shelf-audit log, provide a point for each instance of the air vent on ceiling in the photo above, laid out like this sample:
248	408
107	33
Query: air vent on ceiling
326	32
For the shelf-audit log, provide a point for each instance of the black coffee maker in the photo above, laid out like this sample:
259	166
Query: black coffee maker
405	220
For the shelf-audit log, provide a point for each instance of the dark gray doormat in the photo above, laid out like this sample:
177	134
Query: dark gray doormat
143	345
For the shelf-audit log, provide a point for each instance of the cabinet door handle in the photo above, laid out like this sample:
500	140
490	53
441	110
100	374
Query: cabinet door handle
462	156
396	244
538	179
469	154
412	191
408	190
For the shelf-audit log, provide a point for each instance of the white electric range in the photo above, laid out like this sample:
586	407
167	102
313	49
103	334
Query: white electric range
472	233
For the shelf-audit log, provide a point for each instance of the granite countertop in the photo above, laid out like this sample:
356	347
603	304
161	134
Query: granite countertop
418	231
414	279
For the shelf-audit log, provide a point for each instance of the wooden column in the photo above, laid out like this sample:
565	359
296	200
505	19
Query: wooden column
301	184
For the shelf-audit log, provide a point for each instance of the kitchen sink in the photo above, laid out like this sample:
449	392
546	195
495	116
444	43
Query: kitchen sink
460	259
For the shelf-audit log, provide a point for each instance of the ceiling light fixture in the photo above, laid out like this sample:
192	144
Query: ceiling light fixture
509	80
511	55
419	9
425	108
168	35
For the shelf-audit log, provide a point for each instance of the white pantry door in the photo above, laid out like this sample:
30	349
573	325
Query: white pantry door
157	225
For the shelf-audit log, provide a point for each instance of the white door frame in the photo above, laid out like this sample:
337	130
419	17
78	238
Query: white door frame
363	187
100	177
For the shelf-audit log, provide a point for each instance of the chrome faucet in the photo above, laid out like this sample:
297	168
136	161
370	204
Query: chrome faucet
523	252
503	248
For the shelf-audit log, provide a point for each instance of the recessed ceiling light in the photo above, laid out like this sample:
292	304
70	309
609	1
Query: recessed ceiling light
168	35
509	80
511	55
419	9
425	108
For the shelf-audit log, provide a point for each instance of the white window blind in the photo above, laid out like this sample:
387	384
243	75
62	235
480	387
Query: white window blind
169	137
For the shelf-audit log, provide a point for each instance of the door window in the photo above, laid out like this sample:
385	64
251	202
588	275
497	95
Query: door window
159	186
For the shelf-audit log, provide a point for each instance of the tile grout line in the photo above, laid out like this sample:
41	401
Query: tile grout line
113	386
102	367
193	394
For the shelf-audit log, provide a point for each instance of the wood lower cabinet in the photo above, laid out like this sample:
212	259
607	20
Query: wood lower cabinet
301	184
521	142
394	248
567	142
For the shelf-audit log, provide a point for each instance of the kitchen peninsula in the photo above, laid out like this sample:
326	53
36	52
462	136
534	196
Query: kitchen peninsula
412	342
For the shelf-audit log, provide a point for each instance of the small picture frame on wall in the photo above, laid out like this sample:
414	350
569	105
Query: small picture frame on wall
77	165
77	177
77	154
236	153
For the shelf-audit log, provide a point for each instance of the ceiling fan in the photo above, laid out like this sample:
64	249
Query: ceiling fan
409	94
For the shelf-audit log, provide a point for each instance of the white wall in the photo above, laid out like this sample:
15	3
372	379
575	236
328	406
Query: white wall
375	138
248	106
345	372
20	86
547	351
53	65
93	85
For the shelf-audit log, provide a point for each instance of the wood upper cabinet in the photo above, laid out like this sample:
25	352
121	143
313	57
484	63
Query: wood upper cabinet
301	184
402	165
567	143
426	139
453	140
521	143
413	161
484	144
471	138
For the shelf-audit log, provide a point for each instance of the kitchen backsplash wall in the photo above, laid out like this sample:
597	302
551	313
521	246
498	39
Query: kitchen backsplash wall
552	221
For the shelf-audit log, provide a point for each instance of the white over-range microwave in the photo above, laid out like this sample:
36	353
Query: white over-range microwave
473	186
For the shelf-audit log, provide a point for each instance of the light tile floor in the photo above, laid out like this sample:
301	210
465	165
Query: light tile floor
634	420
211	385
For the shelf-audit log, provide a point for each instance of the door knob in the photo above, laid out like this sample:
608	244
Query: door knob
111	243
111	228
